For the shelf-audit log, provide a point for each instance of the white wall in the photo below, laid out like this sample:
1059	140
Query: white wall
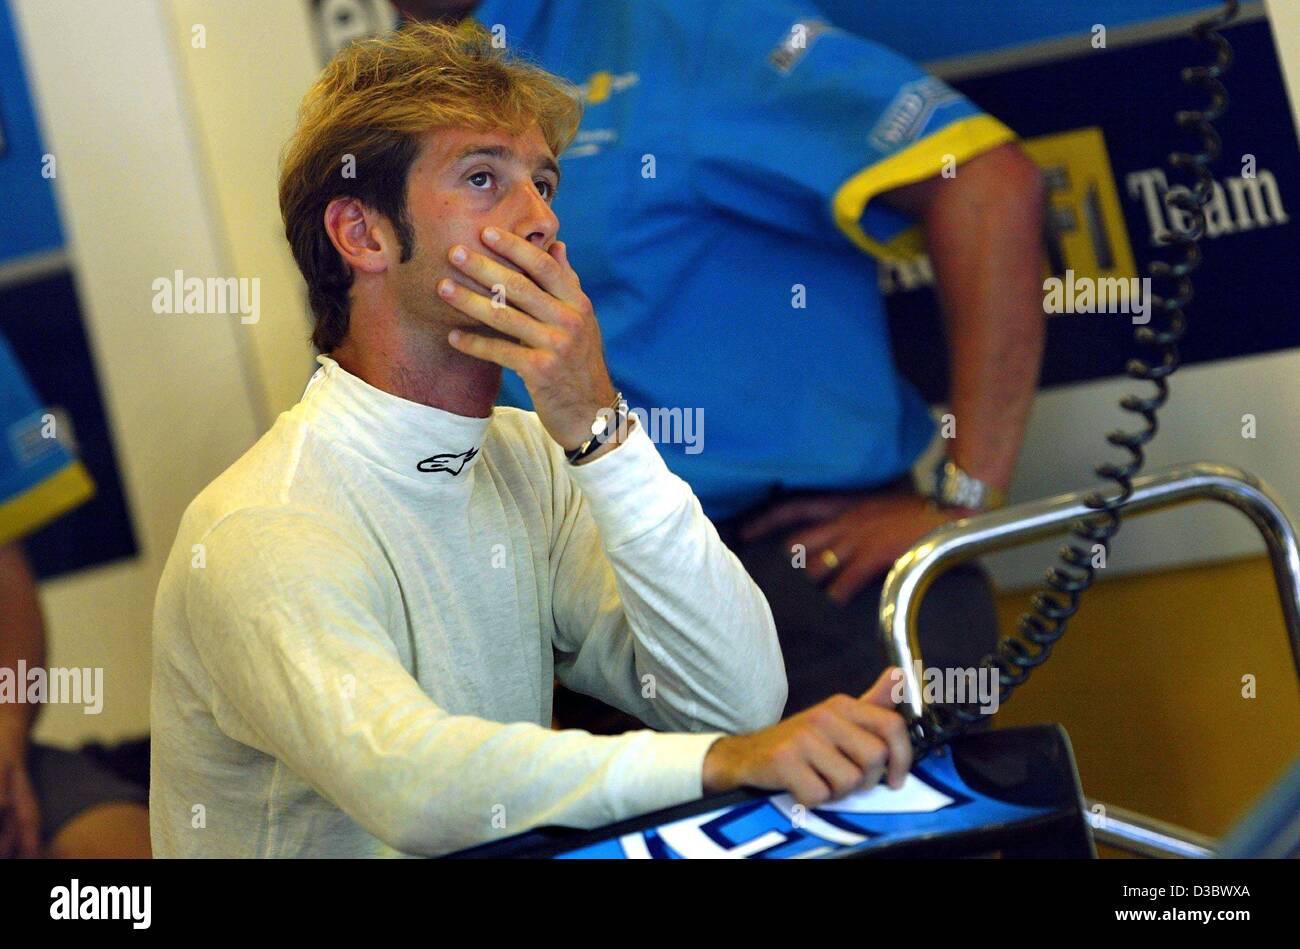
177	396
243	87
1201	421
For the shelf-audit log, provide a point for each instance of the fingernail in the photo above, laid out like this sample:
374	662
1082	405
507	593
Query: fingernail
445	288
458	254
490	234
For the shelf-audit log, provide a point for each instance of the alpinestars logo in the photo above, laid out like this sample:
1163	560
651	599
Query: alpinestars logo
448	462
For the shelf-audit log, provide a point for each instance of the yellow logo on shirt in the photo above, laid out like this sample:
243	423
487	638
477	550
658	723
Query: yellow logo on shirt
601	85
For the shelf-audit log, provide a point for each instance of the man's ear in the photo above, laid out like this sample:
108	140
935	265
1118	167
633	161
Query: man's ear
353	230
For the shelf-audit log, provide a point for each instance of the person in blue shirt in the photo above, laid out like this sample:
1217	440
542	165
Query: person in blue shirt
53	802
741	169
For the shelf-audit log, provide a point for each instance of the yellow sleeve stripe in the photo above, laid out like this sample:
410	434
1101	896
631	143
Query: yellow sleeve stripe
963	140
67	488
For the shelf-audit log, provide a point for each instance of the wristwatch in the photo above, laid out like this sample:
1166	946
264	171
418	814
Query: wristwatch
954	488
608	422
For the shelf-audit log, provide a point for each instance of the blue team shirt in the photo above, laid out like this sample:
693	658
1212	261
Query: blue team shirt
723	173
39	477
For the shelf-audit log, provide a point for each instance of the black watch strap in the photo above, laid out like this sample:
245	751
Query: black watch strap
608	422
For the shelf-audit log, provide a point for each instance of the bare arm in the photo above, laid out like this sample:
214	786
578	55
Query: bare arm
982	229
22	632
22	636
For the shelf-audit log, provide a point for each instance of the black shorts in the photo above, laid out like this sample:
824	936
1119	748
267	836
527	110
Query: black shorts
68	783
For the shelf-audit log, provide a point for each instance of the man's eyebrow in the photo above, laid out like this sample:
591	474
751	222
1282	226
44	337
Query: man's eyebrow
506	153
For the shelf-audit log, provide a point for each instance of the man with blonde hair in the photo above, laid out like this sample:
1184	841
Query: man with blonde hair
357	630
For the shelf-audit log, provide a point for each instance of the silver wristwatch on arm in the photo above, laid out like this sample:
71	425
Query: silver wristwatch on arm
954	488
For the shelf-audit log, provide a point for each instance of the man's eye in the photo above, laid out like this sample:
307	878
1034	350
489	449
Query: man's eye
545	189
480	175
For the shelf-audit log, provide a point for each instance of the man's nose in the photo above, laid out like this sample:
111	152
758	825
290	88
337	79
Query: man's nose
535	220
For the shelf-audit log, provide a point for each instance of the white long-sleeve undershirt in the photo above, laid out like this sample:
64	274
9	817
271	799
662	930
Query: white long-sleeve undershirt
355	639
